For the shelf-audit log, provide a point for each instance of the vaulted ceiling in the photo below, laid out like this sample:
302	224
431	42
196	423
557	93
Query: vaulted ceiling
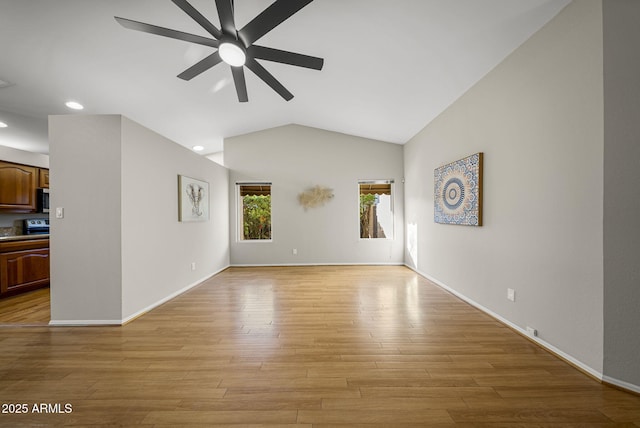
390	67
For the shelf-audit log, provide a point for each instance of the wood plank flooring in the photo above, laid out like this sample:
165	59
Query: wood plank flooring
306	347
32	308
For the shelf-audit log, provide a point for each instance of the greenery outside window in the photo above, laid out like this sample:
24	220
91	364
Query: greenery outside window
254	211
376	209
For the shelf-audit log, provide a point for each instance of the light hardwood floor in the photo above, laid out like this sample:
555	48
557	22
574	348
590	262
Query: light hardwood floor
307	347
32	308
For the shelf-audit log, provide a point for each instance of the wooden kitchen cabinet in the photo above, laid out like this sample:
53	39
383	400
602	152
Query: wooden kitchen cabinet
43	178
24	266
17	187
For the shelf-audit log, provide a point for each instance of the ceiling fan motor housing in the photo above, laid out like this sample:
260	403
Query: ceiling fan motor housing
232	51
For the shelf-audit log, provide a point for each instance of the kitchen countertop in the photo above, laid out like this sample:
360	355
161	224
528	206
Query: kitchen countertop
22	237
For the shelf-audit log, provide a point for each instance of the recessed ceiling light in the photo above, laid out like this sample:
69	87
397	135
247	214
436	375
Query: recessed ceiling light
74	105
3	125
198	148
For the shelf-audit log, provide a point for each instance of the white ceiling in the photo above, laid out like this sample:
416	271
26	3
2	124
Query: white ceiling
390	66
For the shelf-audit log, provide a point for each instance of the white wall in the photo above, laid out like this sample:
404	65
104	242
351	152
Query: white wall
295	158
120	249
538	118
621	198
217	157
11	154
85	179
24	132
157	250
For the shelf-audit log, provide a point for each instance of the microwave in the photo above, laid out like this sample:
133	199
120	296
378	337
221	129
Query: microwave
43	201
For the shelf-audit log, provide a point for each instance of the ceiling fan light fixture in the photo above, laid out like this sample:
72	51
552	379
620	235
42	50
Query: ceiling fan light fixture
232	54
236	48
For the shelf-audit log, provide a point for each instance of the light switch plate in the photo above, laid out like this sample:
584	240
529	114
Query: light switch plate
59	212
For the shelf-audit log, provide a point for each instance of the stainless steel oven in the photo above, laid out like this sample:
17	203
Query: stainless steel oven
36	226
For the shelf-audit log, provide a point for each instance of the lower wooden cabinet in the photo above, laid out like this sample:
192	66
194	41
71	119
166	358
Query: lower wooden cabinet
24	266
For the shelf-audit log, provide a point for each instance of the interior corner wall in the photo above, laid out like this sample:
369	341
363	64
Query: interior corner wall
295	158
538	118
120	249
621	196
157	249
85	171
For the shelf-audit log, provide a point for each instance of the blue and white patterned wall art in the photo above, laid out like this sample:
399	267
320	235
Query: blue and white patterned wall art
458	192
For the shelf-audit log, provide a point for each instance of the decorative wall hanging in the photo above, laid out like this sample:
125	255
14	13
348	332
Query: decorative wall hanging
193	199
458	192
315	196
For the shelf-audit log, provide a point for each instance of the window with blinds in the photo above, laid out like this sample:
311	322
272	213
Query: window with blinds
376	208
254	211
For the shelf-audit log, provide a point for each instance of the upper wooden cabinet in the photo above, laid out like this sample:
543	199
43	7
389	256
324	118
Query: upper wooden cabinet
43	178
17	187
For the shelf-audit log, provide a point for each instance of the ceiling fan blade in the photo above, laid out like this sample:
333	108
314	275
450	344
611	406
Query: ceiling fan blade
285	57
262	73
201	66
270	18
241	84
198	17
225	13
166	32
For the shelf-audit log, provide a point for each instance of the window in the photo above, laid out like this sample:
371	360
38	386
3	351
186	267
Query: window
376	209
254	211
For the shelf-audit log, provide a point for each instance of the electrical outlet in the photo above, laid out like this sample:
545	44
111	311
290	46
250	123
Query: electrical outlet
295	251
193	265
511	294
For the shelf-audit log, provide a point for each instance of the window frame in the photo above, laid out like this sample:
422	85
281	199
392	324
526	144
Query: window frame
240	211
391	183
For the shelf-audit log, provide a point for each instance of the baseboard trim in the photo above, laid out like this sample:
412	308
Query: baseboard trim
314	264
589	371
170	297
86	323
620	384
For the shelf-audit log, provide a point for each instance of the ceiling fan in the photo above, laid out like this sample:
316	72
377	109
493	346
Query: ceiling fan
236	47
